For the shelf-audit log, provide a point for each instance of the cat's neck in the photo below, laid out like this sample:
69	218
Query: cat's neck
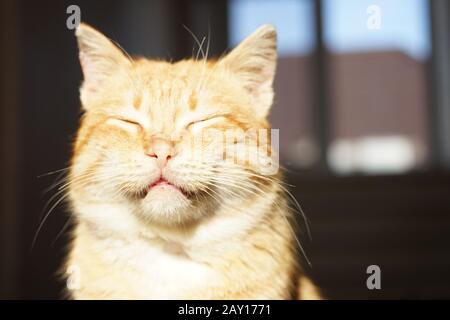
220	230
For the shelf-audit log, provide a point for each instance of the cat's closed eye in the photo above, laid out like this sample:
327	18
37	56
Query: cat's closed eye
204	122
124	123
129	121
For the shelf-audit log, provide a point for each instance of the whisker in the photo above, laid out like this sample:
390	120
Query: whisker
53	172
45	219
200	44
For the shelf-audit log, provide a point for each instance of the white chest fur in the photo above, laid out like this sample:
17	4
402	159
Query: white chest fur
156	270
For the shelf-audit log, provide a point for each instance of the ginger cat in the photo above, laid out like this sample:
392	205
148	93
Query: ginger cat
152	220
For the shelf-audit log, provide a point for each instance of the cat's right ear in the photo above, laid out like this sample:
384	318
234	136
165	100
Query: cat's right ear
99	59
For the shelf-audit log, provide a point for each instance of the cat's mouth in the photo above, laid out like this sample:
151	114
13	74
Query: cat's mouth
164	184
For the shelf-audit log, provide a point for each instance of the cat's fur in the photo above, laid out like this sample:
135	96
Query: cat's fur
219	230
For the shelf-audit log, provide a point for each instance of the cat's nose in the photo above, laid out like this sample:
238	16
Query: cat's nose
162	151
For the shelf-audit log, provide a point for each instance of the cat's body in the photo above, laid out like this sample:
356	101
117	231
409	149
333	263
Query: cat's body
154	223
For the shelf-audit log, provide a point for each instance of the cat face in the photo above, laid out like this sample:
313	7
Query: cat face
172	141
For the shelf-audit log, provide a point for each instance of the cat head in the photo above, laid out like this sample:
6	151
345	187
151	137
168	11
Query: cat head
171	141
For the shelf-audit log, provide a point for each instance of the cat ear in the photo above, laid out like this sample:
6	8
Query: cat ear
254	62
99	59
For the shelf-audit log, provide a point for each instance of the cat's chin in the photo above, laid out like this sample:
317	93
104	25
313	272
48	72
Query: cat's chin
166	193
166	204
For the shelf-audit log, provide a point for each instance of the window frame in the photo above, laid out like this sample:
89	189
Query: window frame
438	78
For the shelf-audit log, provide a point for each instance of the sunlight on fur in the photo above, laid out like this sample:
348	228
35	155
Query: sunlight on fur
154	222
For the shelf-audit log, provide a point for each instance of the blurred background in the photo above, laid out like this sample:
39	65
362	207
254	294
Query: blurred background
362	104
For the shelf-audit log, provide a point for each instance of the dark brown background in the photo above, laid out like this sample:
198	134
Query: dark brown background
399	222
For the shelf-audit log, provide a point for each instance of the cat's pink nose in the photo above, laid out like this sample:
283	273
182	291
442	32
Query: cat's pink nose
162	151
161	158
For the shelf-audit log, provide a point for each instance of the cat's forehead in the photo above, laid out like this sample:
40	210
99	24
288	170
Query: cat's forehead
165	95
180	74
183	86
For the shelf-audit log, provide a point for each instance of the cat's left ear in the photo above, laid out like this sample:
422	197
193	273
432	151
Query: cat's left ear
100	59
254	63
